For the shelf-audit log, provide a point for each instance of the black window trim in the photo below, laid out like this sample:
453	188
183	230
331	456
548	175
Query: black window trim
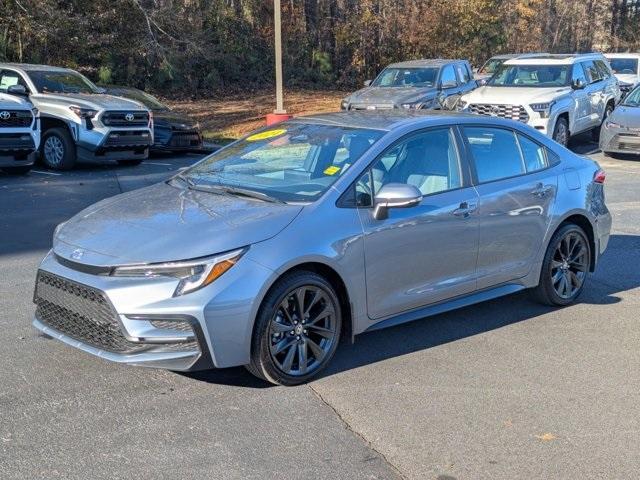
466	175
471	160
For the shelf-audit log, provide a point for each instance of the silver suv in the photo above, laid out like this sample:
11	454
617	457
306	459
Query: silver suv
80	122
19	130
414	85
558	95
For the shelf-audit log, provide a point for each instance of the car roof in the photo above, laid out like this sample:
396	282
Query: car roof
386	120
431	62
554	59
622	55
27	67
508	56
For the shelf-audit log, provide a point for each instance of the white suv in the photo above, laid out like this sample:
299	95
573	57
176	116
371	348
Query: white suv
559	95
626	68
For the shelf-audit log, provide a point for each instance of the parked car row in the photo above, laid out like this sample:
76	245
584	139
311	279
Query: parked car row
559	95
81	122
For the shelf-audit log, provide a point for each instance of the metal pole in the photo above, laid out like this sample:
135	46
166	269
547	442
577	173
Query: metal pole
278	45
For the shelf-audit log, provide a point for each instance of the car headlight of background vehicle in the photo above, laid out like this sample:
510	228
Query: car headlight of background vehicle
543	109
610	124
193	274
418	105
344	104
461	105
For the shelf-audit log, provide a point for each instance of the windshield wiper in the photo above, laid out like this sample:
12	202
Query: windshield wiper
227	189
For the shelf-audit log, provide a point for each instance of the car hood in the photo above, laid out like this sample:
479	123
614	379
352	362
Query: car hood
391	95
174	119
626	116
13	102
514	95
96	101
164	223
628	78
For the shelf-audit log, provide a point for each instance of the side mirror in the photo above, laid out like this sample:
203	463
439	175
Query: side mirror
578	84
449	84
367	83
17	90
395	195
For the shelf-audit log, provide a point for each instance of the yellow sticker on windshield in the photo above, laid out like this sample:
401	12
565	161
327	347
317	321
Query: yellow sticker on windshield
266	134
331	170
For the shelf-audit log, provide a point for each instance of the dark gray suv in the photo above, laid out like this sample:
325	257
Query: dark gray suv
416	84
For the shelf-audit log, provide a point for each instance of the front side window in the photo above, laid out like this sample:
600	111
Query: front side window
9	78
624	65
428	160
533	154
291	162
544	76
448	75
496	153
578	74
61	82
406	77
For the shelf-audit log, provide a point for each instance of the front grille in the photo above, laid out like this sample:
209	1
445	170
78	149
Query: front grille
384	106
15	118
125	119
185	140
16	141
626	142
86	314
81	312
512	112
128	138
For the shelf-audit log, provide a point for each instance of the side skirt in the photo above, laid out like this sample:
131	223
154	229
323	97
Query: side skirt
447	306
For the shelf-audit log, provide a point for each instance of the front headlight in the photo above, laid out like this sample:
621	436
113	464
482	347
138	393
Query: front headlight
193	274
418	105
83	112
543	109
344	104
610	124
461	105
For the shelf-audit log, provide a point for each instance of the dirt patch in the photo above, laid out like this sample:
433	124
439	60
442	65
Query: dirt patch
228	118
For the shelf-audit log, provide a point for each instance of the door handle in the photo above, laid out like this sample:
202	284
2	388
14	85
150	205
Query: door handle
465	209
541	190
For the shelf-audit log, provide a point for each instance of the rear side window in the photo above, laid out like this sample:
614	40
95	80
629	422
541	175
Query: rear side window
496	153
463	73
602	69
532	153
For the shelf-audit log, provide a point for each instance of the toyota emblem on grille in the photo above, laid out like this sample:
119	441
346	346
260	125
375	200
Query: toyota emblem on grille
77	254
129	117
4	115
495	110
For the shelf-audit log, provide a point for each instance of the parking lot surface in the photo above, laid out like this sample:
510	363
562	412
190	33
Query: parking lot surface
504	389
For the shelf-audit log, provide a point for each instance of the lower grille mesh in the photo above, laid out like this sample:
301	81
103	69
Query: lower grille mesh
513	112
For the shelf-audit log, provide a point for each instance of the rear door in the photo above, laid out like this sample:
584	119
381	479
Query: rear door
517	190
595	92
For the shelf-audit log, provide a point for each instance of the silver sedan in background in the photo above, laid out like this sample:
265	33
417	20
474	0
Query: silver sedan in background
620	132
270	251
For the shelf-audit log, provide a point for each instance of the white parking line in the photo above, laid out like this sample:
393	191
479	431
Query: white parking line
45	173
157	163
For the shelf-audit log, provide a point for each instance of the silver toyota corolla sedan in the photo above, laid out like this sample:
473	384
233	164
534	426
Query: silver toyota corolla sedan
270	251
620	132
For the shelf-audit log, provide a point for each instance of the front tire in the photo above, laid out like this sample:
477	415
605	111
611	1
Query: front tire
561	132
565	267
58	151
297	329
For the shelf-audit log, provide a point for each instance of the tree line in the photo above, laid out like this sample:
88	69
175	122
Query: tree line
200	47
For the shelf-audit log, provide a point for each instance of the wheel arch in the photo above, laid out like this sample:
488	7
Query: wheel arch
583	222
47	123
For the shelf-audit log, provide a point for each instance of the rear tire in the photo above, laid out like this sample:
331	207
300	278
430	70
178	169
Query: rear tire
565	267
297	330
561	132
58	151
21	170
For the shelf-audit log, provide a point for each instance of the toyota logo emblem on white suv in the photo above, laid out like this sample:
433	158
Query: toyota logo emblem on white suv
4	115
129	117
495	111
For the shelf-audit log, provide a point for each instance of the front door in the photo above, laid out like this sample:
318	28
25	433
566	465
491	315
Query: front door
517	188
427	253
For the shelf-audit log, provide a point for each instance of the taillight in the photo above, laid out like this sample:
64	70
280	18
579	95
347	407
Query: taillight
599	176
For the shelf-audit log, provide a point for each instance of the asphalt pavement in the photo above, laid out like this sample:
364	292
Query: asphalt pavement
505	389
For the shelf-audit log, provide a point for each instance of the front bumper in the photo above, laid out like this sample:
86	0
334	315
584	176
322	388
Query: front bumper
620	140
17	149
176	140
131	325
102	144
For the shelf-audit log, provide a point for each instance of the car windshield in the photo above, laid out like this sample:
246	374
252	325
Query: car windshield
289	162
624	65
633	99
149	101
406	77
531	76
62	82
491	66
